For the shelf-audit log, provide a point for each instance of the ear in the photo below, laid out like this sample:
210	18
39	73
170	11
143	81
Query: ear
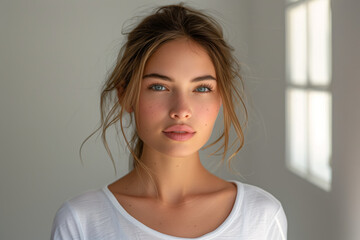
120	94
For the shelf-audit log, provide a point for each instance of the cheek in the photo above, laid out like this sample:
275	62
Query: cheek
208	113
150	109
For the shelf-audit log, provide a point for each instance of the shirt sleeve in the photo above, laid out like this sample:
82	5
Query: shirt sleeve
66	225
278	227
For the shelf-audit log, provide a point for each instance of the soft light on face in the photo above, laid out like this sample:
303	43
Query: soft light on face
179	99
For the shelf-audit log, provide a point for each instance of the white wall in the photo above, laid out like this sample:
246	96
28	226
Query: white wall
346	66
54	55
313	214
300	198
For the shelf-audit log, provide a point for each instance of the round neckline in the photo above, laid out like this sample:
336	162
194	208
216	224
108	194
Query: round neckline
223	226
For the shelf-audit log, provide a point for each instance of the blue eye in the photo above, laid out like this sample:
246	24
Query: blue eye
203	89
157	87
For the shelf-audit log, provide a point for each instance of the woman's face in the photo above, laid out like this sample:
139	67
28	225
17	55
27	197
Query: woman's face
179	99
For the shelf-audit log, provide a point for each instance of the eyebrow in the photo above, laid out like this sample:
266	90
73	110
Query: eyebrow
166	78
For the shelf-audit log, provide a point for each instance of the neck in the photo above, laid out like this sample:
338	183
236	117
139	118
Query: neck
172	180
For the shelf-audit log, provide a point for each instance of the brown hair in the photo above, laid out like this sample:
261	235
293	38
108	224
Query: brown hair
165	24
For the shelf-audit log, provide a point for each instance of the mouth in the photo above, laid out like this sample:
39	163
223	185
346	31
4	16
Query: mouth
179	132
180	128
179	136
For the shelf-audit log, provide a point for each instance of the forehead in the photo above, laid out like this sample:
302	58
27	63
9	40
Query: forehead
180	58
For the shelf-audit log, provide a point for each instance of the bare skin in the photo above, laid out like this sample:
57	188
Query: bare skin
189	204
183	199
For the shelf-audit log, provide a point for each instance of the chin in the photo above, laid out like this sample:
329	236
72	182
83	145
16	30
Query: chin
175	150
179	152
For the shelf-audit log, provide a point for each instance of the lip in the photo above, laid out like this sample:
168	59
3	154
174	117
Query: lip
180	128
179	132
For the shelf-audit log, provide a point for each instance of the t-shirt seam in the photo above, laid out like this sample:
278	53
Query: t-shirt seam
275	200
280	229
275	220
76	219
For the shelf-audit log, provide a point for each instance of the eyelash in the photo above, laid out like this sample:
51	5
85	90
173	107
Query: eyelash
208	86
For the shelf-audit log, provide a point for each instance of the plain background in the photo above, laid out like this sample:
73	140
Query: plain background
54	56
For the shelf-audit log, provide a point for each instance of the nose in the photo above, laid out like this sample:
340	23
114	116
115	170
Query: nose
180	109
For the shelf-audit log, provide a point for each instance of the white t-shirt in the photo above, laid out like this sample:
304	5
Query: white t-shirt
256	215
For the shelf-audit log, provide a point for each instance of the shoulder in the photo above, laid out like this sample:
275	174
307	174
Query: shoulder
258	199
261	209
87	200
92	202
79	213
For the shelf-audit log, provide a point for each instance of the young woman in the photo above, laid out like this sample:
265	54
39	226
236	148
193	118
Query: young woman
172	76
